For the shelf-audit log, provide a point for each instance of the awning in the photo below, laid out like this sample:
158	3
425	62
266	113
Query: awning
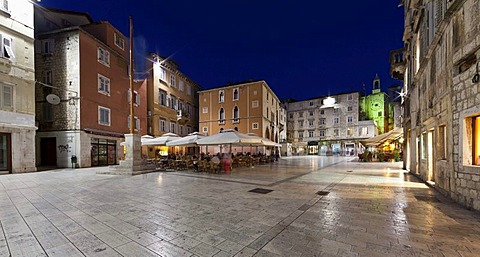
380	139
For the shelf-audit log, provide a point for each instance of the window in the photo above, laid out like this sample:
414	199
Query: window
350	97
236	117
136	121
267	95
379	114
103	85
322	121
103	56
6	99
350	108
311	103
172	80
254	92
180	130
300	114
104	116
7	47
310	122
136	97
300	123
205	129
221	115
189	89
4	6
255	125
336	120
173	102
335	110
235	94
47	77
47	112
311	133
47	46
364	131
163	74
162	125
221	96
255	104
181	86
349	119
476	140
291	115
172	126
300	134
311	113
119	41
322	112
424	152
322	132
335	132
350	132
442	140
205	110
162	97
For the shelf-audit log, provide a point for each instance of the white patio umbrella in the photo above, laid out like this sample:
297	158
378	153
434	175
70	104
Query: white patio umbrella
189	140
144	138
230	137
162	140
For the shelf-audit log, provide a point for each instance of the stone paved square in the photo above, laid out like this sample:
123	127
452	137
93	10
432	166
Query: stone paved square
375	210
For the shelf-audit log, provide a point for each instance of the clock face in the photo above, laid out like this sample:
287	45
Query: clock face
375	106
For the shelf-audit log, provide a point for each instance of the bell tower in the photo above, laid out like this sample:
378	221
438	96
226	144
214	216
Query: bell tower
376	85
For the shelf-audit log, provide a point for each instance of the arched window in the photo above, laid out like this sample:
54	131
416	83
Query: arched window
221	115
235	94
221	96
236	116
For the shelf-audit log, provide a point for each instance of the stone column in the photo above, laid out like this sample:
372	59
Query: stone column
133	163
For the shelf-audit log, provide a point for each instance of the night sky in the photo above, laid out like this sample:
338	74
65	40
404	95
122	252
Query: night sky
302	49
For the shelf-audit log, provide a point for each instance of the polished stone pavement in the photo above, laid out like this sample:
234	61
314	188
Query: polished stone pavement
361	209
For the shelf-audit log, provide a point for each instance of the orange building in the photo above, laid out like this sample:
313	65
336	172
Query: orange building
85	64
249	107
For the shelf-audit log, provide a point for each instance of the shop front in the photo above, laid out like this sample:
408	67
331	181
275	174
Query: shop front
103	152
312	147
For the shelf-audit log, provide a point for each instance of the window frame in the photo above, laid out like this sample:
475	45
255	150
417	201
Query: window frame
221	96
255	104
103	56
236	118
2	97
121	41
6	49
237	91
106	82
100	122
255	125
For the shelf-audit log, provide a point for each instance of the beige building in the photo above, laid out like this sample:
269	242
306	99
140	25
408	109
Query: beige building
249	107
441	100
172	100
17	87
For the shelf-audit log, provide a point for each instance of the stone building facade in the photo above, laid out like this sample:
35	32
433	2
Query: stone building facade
328	125
441	99
84	64
17	87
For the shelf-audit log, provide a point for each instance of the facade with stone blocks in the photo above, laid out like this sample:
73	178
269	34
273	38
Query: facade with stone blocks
85	65
17	87
441	99
328	125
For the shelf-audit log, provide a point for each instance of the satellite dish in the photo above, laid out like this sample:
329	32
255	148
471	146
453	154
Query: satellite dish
53	99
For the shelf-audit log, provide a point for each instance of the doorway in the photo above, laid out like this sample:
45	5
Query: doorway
48	151
431	168
5	153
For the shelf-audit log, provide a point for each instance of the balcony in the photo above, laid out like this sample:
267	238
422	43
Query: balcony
397	64
182	116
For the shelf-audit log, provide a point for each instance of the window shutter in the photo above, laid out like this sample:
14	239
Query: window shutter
137	123
137	98
129	96
107	85
7	96
128	121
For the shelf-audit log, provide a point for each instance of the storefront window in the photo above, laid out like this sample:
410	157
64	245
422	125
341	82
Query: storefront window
104	152
5	152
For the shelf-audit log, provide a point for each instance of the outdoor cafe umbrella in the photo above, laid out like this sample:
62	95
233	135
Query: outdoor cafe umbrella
189	140
230	137
162	140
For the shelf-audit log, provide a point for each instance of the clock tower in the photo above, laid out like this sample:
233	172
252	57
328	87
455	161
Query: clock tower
376	106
